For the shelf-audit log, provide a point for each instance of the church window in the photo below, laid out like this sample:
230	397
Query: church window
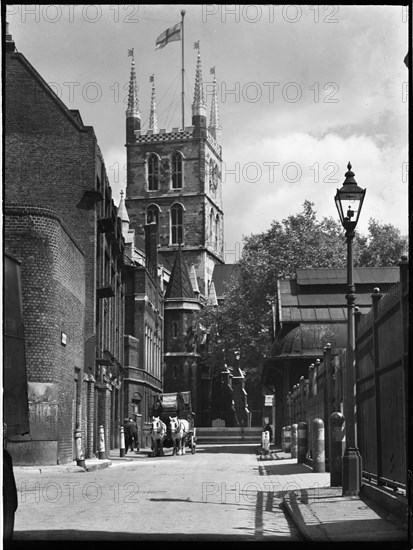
153	172
216	231
177	225
177	171
152	214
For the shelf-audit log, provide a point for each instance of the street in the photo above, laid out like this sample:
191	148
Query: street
221	492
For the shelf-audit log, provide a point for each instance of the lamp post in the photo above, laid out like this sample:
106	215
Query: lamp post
349	201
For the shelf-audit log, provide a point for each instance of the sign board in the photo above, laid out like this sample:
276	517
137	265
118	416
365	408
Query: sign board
269	401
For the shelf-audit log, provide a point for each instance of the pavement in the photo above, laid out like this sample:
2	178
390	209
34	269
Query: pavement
319	511
91	464
323	514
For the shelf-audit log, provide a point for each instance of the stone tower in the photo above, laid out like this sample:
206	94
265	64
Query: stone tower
174	178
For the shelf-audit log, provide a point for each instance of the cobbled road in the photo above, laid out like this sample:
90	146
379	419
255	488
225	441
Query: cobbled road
223	492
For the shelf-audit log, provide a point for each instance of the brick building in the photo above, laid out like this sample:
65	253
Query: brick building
61	223
145	281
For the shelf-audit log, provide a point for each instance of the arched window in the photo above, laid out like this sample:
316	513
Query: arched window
152	214
177	171
153	172
211	227
177	224
216	231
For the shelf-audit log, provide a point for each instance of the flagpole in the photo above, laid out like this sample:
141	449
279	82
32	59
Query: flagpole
183	72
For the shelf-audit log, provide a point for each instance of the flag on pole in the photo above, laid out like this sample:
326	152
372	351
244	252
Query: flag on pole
212	70
130	52
196	45
152	78
170	35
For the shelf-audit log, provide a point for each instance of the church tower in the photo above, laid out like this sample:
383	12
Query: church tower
174	179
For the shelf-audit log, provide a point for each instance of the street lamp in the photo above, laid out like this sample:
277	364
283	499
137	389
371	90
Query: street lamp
349	201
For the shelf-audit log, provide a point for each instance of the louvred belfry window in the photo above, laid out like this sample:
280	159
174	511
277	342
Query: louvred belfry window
177	220
153	173
177	172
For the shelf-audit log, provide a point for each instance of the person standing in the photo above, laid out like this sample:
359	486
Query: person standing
128	435
268	428
134	434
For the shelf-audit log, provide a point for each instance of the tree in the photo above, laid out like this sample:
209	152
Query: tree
384	246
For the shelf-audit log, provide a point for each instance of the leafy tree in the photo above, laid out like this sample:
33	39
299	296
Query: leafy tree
383	246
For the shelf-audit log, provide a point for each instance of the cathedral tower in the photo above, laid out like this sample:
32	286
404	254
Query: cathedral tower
174	179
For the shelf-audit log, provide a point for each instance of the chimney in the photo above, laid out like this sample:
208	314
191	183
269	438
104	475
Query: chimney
151	247
10	46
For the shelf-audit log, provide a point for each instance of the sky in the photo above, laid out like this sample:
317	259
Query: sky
302	91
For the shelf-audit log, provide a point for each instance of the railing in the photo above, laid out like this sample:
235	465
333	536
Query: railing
381	387
319	395
381	392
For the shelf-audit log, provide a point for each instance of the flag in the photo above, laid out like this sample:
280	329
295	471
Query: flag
130	52
171	34
152	78
212	70
196	45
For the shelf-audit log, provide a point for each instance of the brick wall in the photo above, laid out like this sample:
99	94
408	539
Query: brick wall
53	303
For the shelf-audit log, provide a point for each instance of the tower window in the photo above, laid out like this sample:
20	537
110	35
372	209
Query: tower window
175	329
216	231
177	173
153	172
177	227
152	214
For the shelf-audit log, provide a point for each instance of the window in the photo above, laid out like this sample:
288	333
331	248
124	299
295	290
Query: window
211	226
177	228
152	214
177	179
153	172
175	329
216	232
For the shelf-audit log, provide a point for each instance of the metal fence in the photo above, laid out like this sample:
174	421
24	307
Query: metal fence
381	376
381	387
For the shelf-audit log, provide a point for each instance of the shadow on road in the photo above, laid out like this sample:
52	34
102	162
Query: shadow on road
229	448
47	539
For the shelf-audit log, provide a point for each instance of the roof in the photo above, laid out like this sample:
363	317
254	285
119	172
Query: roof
319	295
179	285
310	340
222	275
362	275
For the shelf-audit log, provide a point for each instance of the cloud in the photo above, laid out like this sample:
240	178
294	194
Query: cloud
276	175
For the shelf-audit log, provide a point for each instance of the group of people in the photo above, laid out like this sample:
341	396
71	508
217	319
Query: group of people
131	435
